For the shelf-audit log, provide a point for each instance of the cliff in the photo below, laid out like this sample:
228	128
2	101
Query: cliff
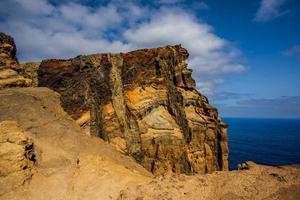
146	104
143	102
70	165
142	109
44	154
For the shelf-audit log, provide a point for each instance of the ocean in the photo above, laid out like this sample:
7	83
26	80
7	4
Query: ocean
265	141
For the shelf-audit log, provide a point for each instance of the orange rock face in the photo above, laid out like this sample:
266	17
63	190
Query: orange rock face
144	102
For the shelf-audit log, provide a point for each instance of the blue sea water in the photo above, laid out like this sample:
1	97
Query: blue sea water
264	141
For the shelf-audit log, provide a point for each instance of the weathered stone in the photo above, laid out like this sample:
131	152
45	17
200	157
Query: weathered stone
16	156
11	78
68	161
13	74
246	165
144	102
7	50
29	70
7	73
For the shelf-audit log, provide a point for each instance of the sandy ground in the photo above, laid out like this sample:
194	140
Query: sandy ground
258	182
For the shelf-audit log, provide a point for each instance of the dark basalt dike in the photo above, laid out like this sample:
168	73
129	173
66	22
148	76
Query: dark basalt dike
143	102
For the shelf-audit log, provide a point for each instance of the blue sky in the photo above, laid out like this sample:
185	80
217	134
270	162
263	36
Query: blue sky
245	54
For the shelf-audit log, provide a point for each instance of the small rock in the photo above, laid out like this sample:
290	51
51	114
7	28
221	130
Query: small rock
278	177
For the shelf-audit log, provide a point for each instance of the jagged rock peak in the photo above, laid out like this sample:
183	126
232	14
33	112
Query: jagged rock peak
13	74
7	50
145	103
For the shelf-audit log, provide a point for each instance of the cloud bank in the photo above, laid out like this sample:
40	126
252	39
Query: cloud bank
44	29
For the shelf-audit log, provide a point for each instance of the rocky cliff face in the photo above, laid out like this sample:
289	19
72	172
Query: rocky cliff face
145	103
68	164
45	155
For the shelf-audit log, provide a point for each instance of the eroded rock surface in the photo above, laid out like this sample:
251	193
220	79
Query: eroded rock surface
17	156
7	50
145	103
11	73
71	165
68	163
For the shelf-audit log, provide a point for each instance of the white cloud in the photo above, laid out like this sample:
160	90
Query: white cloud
86	17
64	31
270	9
36	6
210	55
207	86
69	29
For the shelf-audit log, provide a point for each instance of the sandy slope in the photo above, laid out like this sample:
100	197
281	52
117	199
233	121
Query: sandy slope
70	164
259	182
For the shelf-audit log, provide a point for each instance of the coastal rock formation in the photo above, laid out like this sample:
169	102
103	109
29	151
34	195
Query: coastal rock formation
16	156
146	104
68	164
143	102
7	50
10	70
11	78
71	165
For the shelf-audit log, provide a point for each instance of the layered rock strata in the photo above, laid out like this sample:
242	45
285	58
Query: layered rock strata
11	72
146	104
71	165
7	50
65	163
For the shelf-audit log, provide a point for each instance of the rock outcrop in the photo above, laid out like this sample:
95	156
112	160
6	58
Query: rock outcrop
145	103
71	165
7	50
68	164
10	70
17	156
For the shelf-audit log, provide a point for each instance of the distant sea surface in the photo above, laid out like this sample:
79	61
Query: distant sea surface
264	141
